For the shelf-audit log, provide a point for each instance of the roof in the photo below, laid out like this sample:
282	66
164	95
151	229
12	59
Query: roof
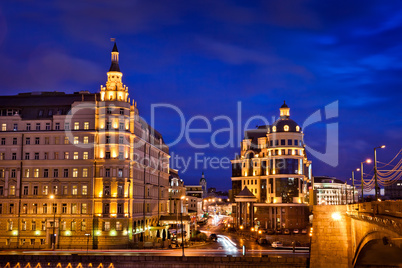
284	105
325	179
282	122
245	193
115	48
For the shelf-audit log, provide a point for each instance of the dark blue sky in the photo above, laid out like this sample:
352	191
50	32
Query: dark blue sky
205	56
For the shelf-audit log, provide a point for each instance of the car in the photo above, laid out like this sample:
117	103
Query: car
304	231
262	241
276	244
295	231
286	231
213	237
278	231
270	231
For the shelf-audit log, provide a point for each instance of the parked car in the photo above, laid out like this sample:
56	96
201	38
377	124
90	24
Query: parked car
276	244
270	231
295	231
278	231
262	241
304	231
213	237
286	231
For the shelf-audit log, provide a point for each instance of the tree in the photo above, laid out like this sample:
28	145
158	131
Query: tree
163	235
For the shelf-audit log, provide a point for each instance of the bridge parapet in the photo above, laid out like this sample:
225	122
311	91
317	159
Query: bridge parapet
388	208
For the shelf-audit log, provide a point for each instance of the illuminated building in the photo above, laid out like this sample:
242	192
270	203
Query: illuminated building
269	178
106	169
331	191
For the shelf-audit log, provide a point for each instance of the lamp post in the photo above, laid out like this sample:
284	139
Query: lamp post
375	170
54	223
361	172
182	231
87	235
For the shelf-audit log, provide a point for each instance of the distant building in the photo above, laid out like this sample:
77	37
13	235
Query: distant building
203	183
270	177
331	191
394	191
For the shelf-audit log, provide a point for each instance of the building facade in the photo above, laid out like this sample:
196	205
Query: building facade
80	169
270	176
331	191
394	191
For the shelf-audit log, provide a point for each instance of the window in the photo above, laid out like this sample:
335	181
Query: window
74	208
13	173
25	192
84	208
120	173
35	208
107	155
67	126
121	156
76	141
37	127
1	156
75	156
84	172
3	127
121	126
28	126
85	155
37	140
44	210
36	173
15	128
76	125
35	190
46	140
283	142
121	139
106	190
55	173
63	225
119	226
120	208
26	156
24	208
107	172
86	125
64	208
84	190
297	128
66	141
108	110
120	190
24	225
1	173
296	143
83	225
56	140
106	226
36	157
74	190
14	141
45	190
46	156
3	141
65	190
1	208
85	140
10	225
108	125
66	155
65	173
56	155
107	139
14	156
11	211
73	225
75	172
290	142
47	127
57	126
121	111
106	208
55	189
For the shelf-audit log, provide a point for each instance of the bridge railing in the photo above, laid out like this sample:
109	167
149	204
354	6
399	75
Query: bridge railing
388	208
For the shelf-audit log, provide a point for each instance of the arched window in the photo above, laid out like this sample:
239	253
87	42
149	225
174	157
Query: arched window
274	129
297	128
286	128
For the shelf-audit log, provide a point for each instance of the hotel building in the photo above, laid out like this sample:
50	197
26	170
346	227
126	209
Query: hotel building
270	176
80	169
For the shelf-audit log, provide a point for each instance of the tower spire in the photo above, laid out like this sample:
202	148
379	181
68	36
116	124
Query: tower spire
114	67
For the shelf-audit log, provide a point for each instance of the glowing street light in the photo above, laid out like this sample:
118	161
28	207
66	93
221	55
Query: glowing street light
368	161
375	169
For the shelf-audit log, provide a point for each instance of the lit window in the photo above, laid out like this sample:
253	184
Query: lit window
297	128
83	223
75	190
286	128
85	156
66	155
65	140
75	155
84	189
76	140
75	172
3	127
86	125
274	129
36	173
85	172
85	140
76	125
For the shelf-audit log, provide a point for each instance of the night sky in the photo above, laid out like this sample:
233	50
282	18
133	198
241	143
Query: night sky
206	56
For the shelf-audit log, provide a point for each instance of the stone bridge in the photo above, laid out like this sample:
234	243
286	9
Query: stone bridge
357	235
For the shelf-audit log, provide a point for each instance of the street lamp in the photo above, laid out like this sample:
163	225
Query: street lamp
87	235
353	183
375	170
361	171
54	223
182	231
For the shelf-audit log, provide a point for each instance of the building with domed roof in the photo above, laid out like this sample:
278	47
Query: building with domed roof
273	166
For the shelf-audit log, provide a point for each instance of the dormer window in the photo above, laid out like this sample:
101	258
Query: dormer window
274	129
297	128
286	128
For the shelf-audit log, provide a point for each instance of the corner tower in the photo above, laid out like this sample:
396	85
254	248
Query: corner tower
114	89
